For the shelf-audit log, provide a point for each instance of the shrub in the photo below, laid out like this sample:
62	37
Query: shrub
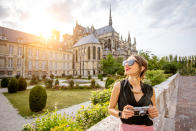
51	76
44	77
89	77
22	84
93	83
100	76
37	98
87	117
71	83
100	97
4	82
170	67
13	85
108	82
155	76
79	76
34	80
52	122
48	83
63	75
17	77
69	77
56	82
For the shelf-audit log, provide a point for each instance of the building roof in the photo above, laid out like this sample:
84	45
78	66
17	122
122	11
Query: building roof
14	36
104	30
87	40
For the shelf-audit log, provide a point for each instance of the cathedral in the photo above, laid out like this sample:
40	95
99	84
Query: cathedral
89	45
79	54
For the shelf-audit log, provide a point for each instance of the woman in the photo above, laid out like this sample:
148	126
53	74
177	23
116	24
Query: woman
131	92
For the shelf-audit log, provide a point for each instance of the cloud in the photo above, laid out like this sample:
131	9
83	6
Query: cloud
4	12
171	13
62	11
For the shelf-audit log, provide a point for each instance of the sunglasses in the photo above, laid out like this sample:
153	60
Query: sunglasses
129	62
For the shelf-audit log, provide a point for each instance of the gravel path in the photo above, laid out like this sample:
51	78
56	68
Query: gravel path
10	120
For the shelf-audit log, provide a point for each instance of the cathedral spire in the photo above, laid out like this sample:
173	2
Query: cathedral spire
110	17
129	38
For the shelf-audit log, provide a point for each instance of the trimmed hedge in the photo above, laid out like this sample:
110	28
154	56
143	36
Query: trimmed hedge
13	85
48	83
56	82
37	98
4	82
22	84
93	83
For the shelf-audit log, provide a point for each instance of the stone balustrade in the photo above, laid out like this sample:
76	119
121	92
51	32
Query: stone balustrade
163	91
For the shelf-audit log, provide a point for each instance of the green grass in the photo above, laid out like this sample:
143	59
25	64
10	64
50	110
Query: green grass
55	99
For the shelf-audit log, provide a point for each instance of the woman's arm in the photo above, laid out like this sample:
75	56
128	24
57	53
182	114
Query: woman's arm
153	111
114	99
126	113
153	98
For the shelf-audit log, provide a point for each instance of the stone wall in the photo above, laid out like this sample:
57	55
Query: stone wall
163	91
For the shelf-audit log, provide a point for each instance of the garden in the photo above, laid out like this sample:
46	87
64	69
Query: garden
62	90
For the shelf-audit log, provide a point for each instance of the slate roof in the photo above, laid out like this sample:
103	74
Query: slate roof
14	35
104	30
86	40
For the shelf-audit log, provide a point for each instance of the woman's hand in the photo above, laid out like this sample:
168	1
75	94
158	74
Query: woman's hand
153	112
127	112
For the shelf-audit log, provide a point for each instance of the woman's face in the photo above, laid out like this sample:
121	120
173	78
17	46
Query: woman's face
133	69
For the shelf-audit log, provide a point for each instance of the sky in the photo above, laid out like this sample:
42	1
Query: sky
162	27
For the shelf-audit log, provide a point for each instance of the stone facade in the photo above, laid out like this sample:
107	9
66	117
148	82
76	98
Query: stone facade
32	55
79	54
109	41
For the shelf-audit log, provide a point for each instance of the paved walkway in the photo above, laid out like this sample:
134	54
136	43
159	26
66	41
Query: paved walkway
186	104
10	120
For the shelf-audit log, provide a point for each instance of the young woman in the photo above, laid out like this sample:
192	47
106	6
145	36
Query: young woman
131	92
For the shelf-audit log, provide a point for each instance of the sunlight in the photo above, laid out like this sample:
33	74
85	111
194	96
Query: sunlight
41	24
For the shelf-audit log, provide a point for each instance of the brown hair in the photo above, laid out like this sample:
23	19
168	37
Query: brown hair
141	62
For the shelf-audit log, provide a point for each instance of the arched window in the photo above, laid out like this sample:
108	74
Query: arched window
98	52
89	53
109	44
76	56
94	52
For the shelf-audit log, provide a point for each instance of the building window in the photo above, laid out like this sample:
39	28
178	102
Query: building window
99	53
30	52
29	73
18	73
2	62
37	52
30	64
94	52
10	62
19	51
89	53
11	48
37	65
43	65
19	63
76	55
9	73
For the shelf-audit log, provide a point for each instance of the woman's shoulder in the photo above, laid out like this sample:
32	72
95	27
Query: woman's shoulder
148	88
118	84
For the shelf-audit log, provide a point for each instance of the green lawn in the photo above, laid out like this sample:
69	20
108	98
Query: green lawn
55	98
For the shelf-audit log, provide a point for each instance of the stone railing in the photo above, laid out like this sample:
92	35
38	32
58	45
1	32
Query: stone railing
163	93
